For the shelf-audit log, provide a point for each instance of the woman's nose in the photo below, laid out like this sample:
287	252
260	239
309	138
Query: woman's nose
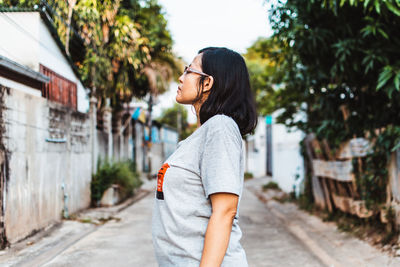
181	78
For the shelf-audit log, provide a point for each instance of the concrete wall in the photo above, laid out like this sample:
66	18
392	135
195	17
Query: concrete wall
49	149
287	162
256	150
49	152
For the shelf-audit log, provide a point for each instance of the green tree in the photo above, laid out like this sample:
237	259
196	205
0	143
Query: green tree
263	72
170	117
341	67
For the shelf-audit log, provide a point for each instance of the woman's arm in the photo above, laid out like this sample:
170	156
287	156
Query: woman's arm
224	206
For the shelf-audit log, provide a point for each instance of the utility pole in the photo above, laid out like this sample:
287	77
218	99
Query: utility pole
149	124
268	145
149	119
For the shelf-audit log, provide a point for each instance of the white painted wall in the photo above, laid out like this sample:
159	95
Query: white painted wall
257	153
21	87
21	30
30	43
287	161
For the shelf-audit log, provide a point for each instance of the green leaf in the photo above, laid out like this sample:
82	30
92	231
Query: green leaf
393	8
378	6
397	81
395	147
384	34
384	77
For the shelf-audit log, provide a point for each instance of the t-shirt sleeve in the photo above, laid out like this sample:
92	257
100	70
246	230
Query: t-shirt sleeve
220	163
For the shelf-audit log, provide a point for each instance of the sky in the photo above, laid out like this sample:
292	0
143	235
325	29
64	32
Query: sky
234	24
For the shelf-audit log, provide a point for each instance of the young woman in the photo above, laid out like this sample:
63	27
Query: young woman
199	187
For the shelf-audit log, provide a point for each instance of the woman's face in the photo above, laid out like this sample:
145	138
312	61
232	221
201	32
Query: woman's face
188	83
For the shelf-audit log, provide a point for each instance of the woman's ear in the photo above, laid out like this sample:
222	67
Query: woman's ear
208	83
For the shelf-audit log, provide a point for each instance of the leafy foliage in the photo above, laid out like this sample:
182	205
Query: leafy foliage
271	185
262	71
169	116
339	64
121	173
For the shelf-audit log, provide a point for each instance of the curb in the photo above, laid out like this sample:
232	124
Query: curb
43	257
300	234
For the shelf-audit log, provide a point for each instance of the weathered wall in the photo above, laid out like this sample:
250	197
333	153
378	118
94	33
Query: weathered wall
50	149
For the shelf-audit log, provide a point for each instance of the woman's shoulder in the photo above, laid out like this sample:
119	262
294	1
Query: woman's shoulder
220	121
223	124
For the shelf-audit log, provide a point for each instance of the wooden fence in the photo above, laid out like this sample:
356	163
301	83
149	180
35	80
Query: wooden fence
333	180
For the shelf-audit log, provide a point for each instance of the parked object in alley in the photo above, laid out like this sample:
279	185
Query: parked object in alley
111	196
114	182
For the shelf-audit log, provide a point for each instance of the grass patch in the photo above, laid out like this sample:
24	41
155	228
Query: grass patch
86	220
370	229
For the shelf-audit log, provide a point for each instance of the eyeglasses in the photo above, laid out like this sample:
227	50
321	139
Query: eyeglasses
190	70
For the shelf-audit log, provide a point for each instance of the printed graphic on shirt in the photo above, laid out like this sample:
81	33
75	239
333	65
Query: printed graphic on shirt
160	181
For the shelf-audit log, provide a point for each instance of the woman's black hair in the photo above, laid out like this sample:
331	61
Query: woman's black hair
230	93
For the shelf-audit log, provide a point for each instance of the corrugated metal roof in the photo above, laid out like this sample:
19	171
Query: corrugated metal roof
18	9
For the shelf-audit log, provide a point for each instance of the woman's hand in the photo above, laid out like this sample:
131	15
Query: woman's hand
216	241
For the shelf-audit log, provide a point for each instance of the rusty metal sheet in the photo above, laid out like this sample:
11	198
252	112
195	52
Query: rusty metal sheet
59	89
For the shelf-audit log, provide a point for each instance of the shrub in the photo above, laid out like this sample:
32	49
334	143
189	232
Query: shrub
271	185
121	173
248	175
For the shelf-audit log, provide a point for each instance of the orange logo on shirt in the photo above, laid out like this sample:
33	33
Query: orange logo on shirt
160	180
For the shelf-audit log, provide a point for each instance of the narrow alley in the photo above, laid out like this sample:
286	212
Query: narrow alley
274	234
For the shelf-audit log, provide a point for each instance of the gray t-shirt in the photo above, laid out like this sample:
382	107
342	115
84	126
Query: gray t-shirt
210	160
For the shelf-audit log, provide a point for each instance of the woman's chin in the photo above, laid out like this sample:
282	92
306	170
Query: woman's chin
178	99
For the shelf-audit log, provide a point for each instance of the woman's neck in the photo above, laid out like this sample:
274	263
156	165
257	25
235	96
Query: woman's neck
197	108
